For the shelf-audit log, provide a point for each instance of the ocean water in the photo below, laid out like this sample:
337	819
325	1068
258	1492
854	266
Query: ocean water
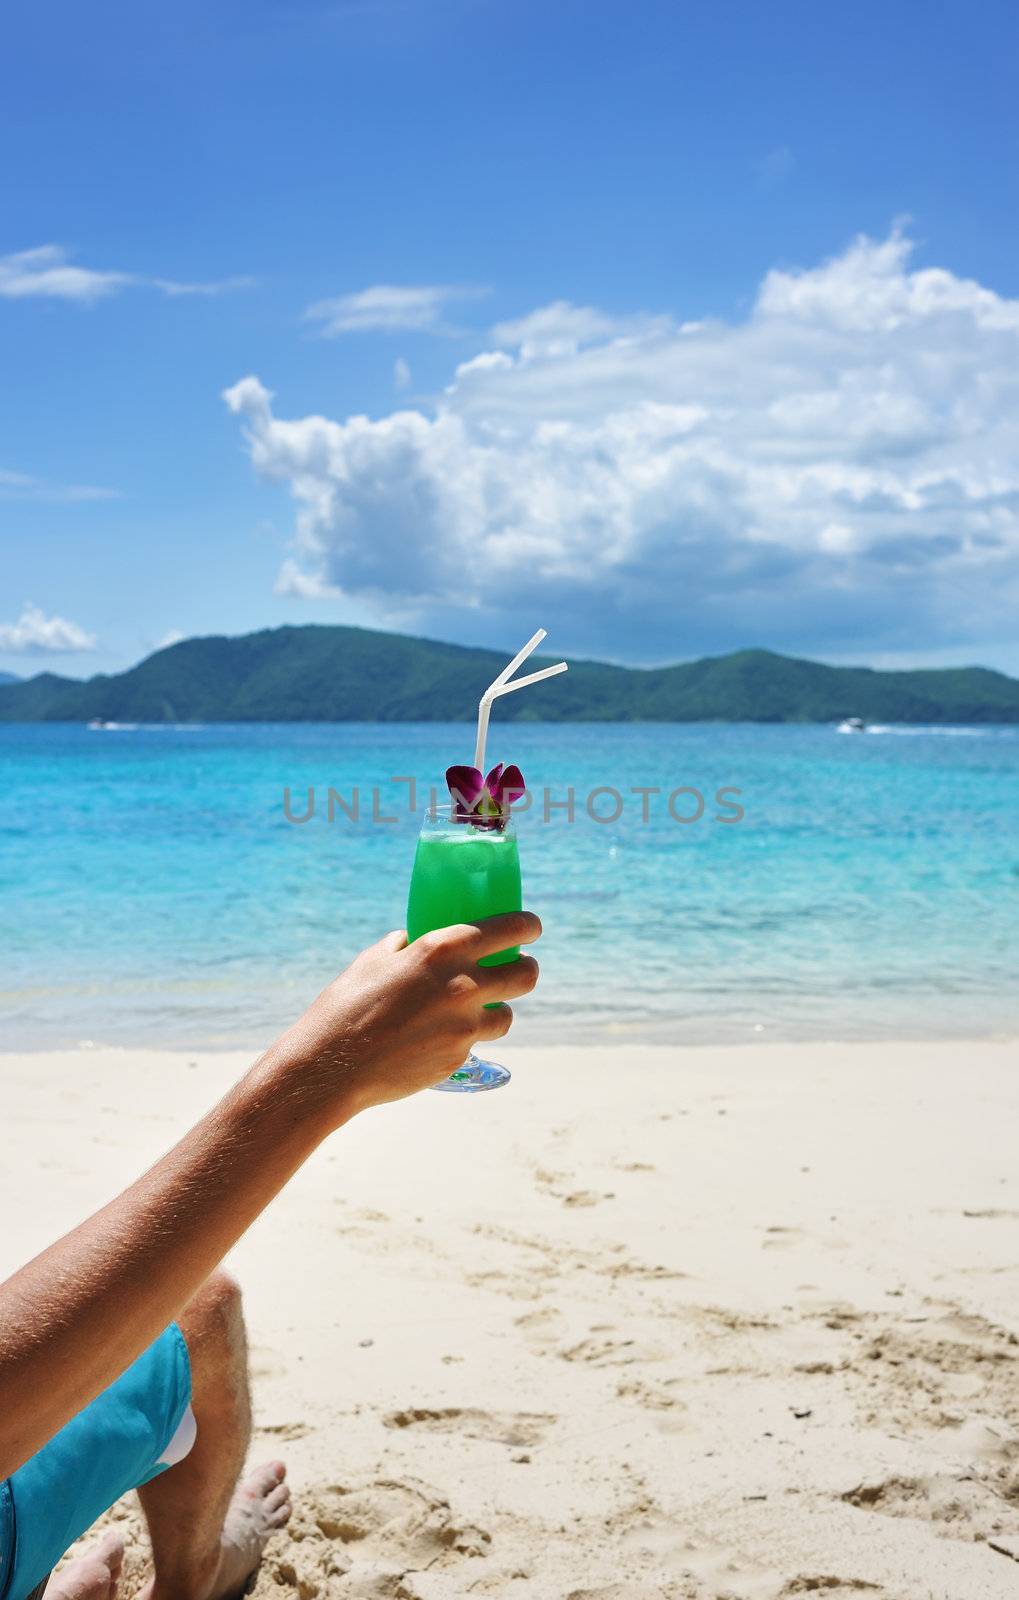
153	890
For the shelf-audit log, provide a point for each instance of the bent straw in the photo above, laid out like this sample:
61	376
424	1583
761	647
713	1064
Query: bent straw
533	677
502	685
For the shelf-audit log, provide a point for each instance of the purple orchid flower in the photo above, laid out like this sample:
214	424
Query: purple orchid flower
485	802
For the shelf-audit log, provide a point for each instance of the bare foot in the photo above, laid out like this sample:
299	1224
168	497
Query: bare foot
94	1576
260	1507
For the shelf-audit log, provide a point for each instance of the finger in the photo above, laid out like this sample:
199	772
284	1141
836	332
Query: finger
508	981
490	934
493	1023
396	940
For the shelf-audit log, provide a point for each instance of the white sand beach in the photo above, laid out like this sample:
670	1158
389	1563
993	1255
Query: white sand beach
708	1323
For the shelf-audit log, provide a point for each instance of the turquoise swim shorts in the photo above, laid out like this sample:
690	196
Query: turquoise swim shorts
138	1427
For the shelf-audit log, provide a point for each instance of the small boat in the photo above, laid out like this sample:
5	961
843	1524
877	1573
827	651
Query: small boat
852	725
98	723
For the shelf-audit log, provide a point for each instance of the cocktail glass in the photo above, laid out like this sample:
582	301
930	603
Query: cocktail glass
463	871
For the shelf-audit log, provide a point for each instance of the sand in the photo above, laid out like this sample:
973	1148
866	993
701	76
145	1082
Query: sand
736	1323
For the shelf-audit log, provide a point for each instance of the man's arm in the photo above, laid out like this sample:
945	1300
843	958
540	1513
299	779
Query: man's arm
399	1019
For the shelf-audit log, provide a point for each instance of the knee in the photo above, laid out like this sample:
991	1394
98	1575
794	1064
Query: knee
222	1294
214	1316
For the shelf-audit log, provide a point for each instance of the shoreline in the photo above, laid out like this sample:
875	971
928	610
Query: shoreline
649	1322
535	1038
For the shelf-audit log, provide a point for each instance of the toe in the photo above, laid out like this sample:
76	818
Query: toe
278	1497
278	1507
110	1550
265	1478
94	1576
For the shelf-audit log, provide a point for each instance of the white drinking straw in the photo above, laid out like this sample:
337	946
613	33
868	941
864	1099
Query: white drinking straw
502	685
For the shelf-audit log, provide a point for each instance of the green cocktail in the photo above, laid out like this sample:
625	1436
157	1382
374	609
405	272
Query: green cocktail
463	872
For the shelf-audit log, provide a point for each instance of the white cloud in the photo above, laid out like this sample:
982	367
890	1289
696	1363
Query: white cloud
870	290
487	361
390	308
36	634
46	273
401	374
561	329
296	583
170	287
22	486
839	471
172	636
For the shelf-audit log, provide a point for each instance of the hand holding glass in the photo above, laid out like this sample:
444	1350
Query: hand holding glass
467	866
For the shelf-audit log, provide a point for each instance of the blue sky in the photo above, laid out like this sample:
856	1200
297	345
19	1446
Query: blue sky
704	416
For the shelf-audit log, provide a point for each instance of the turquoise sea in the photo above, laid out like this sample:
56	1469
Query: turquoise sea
153	891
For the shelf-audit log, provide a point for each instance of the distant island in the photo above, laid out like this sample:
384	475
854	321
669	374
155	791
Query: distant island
342	674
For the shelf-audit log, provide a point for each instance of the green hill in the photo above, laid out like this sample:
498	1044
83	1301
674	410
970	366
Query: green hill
339	674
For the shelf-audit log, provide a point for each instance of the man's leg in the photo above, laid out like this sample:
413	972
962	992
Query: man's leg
208	1532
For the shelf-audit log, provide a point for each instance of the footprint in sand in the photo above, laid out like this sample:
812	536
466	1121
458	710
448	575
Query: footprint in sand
929	1371
514	1428
963	1507
542	1329
1001	1342
652	1396
284	1430
556	1185
372	1537
542	1261
837	1317
538	1321
601	1351
826	1583
642	1271
719	1320
516	1286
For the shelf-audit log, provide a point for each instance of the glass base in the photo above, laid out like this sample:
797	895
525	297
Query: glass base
474	1076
